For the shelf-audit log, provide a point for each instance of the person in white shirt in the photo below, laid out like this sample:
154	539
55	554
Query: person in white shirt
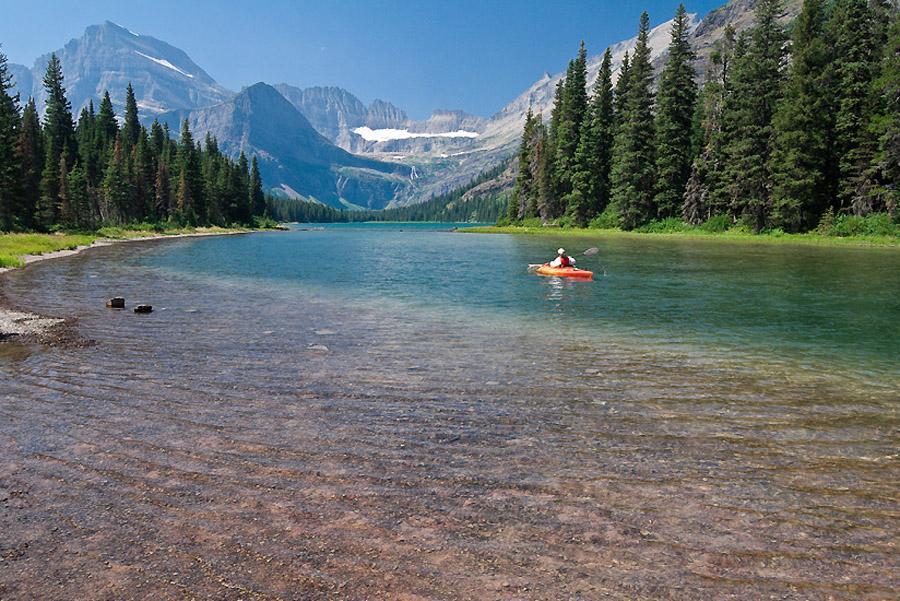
562	259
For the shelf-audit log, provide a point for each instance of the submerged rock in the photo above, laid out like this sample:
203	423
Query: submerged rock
143	309
117	302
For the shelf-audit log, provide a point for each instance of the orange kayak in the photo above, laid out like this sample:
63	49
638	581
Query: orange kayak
565	272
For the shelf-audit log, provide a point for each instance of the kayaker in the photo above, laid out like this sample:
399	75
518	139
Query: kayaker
562	260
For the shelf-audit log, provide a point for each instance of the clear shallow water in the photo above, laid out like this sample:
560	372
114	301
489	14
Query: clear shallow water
388	410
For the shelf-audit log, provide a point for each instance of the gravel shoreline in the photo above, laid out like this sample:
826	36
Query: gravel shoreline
16	324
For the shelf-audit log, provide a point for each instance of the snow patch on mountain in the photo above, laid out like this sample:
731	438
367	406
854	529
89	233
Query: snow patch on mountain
164	63
386	135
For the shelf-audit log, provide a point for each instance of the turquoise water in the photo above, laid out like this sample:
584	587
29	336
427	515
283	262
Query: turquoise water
825	307
402	411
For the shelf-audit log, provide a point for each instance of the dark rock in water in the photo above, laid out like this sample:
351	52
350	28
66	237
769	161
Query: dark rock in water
143	309
116	303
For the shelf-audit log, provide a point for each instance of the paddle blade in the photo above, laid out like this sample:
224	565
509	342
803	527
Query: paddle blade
591	251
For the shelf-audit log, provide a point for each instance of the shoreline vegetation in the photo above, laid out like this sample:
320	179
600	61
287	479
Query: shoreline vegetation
694	233
20	249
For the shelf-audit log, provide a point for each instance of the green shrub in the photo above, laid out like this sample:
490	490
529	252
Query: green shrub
566	221
532	222
716	223
663	226
609	219
826	223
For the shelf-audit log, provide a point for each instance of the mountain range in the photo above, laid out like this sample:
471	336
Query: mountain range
323	143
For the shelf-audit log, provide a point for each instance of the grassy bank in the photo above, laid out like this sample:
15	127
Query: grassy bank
14	247
696	233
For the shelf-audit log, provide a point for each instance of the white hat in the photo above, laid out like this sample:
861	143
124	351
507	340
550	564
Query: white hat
561	251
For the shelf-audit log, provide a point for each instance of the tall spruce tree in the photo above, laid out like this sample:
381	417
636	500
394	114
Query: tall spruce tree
633	171
621	89
59	134
30	157
675	109
885	168
756	90
524	190
9	160
705	182
803	126
131	129
856	49
59	128
572	110
189	181
590	193
257	196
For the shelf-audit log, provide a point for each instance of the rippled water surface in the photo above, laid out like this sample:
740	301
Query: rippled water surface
399	411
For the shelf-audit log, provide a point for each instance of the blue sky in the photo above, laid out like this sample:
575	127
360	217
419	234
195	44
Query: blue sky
420	55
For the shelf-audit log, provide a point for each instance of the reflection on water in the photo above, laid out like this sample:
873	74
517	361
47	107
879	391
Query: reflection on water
311	412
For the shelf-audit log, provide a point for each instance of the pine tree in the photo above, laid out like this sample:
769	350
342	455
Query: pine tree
9	160
58	125
67	216
183	201
803	125
750	107
886	127
572	110
30	157
107	126
633	172
131	129
621	89
163	200
117	192
59	133
143	175
47	210
594	154
524	187
710	191
853	30
675	111
85	136
544	165
257	197
189	182
80	199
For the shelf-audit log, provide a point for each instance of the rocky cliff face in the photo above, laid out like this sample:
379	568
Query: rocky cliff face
339	116
384	115
294	158
22	81
109	57
333	112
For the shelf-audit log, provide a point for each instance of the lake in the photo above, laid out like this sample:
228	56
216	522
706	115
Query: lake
401	411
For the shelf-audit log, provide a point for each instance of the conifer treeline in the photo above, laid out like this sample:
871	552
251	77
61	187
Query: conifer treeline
58	174
452	206
785	129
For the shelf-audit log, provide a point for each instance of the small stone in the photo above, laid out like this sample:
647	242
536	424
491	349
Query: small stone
143	309
117	302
